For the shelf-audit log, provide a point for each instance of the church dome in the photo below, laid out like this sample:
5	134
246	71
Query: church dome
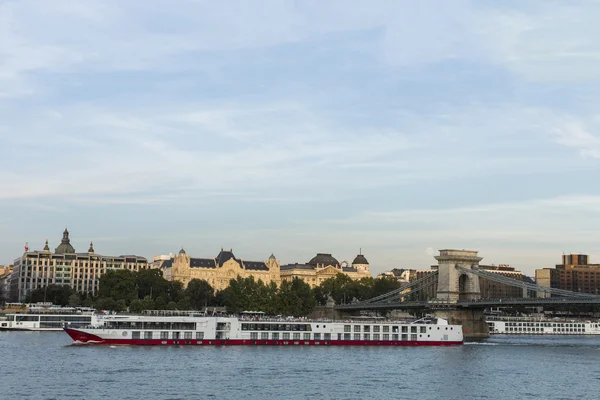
323	259
182	251
65	245
360	259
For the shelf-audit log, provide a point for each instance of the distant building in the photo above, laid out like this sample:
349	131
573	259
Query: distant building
399	274
217	271
324	266
81	271
576	274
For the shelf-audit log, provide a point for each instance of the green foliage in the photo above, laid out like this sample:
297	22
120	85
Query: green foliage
136	306
160	303
344	290
147	303
172	305
74	300
55	294
199	294
291	298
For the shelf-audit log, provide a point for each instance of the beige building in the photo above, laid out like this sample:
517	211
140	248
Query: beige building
217	271
576	274
324	266
81	271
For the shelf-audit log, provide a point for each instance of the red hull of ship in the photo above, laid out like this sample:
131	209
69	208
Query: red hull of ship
87	338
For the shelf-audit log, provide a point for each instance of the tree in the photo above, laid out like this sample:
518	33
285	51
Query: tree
119	285
199	294
150	282
136	306
55	294
74	300
160	303
175	291
295	298
147	303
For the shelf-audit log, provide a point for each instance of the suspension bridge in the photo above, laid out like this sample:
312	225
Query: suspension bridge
457	297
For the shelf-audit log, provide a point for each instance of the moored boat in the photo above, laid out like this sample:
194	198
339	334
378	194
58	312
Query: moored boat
508	325
219	330
51	319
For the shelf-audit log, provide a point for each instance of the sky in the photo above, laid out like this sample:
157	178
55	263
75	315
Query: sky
296	127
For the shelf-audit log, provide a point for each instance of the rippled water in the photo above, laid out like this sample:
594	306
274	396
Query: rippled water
47	366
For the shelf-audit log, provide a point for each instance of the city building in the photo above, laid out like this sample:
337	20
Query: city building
81	271
217	271
324	266
5	272
576	274
399	274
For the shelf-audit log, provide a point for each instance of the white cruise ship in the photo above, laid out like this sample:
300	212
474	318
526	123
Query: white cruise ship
541	326
204	330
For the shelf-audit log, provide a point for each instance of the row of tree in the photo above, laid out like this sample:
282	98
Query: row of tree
122	290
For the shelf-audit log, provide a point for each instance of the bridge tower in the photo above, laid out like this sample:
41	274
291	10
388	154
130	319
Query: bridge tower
455	285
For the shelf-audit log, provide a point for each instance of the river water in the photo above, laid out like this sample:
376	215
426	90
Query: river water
39	365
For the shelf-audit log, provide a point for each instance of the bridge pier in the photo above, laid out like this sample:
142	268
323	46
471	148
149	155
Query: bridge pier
472	321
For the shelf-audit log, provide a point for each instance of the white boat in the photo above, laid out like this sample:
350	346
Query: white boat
541	326
218	330
52	319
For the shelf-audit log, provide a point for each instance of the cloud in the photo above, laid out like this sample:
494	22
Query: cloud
573	134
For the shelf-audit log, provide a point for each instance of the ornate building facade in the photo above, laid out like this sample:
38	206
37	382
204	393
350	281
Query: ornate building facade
217	271
324	266
81	271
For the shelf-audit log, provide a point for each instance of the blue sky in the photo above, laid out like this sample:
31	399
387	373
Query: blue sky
298	127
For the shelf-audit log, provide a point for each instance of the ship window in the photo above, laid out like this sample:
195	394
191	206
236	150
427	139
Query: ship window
264	335
176	335
199	335
367	336
286	335
395	329
413	329
346	336
404	329
376	336
367	328
253	335
275	336
376	328
147	335
135	335
306	336
404	336
164	335
357	336
423	329
347	328
327	336
413	337
386	336
356	328
187	335
245	327
317	336
386	328
296	336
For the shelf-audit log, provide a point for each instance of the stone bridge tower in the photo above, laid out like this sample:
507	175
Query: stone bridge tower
455	285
